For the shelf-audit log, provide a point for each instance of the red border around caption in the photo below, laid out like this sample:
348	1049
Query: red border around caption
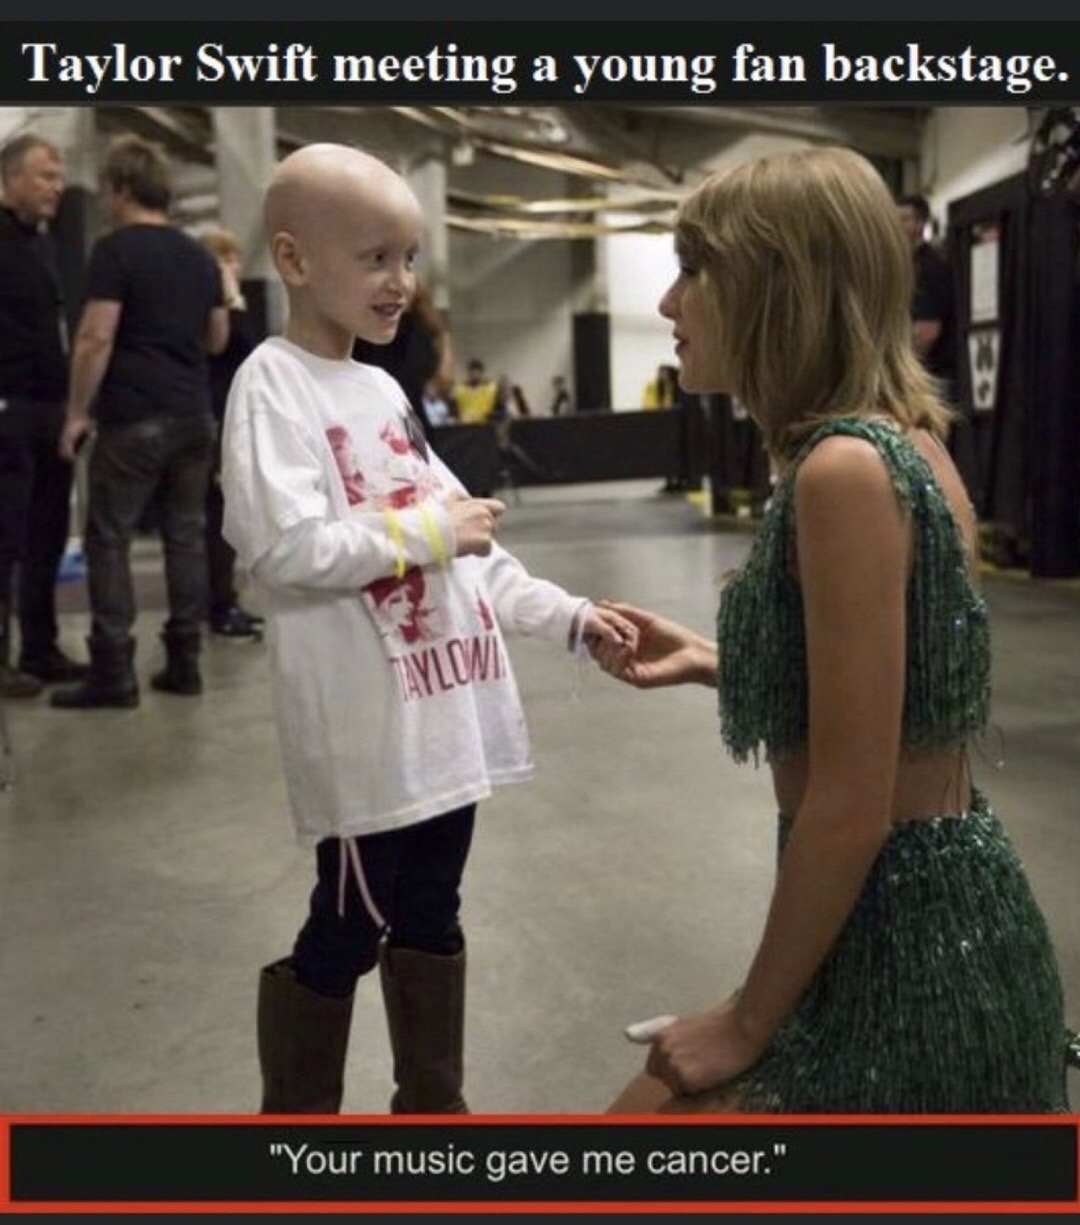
241	1208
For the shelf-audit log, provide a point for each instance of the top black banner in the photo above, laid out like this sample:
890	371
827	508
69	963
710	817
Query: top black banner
538	62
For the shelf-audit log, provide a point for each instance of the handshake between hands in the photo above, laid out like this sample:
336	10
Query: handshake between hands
649	651
629	643
694	1053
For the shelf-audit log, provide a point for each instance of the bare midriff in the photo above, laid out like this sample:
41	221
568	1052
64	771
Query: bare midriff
928	784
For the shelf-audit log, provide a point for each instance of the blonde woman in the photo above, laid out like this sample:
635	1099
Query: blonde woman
904	964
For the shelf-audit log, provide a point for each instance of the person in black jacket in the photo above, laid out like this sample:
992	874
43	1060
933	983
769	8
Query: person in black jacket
419	357
225	614
35	484
933	310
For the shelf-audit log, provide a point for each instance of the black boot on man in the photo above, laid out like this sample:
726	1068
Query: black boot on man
232	621
109	682
181	672
14	682
52	666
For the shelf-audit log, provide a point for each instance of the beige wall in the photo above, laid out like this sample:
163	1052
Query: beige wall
966	148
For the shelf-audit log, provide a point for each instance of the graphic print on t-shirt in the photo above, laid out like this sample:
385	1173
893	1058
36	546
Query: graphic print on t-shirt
396	440
347	464
486	619
427	658
401	610
412	613
402	477
405	477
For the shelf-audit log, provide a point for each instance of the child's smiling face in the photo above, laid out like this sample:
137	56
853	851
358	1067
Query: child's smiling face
345	231
362	275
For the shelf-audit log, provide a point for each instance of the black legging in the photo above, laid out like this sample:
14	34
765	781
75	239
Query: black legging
412	877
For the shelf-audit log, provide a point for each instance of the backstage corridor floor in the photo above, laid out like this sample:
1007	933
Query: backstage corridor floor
148	866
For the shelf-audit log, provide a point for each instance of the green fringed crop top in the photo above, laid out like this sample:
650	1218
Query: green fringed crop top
760	629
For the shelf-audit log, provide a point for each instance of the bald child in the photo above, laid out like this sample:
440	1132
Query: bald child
387	601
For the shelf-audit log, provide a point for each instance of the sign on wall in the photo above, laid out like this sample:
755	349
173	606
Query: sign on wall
985	259
984	351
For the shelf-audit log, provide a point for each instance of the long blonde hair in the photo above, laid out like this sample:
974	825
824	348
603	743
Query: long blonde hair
811	281
221	243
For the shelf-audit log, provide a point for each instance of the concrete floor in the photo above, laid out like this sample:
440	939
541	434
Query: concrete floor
147	864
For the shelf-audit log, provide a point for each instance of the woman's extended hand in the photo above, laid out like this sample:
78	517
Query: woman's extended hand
699	1052
666	653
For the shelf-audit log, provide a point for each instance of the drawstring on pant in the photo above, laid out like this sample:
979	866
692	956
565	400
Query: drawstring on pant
349	853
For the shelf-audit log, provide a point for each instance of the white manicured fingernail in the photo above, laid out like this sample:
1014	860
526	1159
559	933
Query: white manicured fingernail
645	1031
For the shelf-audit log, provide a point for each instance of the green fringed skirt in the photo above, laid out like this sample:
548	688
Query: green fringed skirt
941	995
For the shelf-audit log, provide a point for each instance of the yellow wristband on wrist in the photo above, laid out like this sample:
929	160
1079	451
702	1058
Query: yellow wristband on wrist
434	536
397	539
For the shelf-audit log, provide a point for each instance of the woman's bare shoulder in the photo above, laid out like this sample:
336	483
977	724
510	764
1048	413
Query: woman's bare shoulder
843	466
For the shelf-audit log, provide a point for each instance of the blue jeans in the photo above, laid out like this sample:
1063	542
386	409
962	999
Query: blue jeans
167	458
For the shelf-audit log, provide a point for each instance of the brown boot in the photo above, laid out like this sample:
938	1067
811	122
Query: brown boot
425	1010
303	1038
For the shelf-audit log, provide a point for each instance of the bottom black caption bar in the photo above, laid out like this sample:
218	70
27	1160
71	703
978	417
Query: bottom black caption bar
502	1161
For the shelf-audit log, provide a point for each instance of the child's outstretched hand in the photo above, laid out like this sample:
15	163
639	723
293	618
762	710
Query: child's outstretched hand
664	652
605	626
474	521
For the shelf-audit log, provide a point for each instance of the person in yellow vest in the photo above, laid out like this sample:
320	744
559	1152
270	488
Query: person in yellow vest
475	399
663	390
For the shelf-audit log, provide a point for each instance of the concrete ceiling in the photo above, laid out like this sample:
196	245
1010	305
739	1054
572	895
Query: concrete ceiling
657	148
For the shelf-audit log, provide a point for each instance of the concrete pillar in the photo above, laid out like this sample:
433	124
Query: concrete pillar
591	325
72	130
246	154
78	223
589	261
426	175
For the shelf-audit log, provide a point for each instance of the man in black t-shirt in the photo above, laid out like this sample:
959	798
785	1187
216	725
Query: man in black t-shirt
35	483
932	310
138	378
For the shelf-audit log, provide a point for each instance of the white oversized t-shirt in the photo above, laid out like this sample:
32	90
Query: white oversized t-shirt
394	696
